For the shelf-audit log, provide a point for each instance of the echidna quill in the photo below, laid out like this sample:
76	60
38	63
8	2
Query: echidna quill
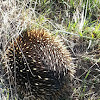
39	66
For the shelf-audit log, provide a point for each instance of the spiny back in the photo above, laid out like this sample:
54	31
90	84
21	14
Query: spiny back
40	66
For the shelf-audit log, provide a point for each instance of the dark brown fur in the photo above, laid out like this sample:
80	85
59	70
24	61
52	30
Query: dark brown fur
40	66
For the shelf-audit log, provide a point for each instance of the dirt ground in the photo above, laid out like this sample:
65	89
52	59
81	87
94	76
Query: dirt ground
86	57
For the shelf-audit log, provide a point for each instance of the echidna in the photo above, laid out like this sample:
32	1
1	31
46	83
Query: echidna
39	66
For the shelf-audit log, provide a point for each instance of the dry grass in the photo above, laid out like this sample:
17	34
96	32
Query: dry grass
80	36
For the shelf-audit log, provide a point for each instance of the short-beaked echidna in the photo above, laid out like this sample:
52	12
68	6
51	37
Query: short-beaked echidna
39	66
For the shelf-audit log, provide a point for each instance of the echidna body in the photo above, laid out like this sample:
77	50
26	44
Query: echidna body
39	66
